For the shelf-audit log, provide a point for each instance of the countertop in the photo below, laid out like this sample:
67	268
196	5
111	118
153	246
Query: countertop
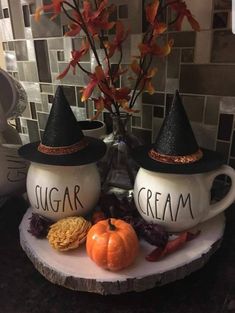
24	290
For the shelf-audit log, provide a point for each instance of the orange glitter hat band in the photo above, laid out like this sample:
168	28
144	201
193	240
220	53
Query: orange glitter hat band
63	150
175	159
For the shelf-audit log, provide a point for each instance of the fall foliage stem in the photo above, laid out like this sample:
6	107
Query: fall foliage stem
92	45
69	16
83	69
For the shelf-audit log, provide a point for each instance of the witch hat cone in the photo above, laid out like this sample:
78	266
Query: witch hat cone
176	136
176	149
63	142
61	129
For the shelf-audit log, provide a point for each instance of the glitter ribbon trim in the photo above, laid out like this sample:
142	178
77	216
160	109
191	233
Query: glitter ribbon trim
175	159
63	150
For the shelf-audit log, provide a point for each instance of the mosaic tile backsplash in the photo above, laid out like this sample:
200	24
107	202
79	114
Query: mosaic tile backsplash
201	65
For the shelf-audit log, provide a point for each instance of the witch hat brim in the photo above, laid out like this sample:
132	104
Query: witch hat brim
175	149
63	142
94	151
210	161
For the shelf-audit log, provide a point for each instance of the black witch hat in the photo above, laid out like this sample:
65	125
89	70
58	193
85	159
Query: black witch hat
175	149
63	142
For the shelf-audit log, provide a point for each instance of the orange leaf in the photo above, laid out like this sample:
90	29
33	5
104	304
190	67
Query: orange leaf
88	90
135	67
159	28
151	11
37	15
149	87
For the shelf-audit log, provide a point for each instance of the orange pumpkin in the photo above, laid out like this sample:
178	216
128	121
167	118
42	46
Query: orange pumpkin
112	244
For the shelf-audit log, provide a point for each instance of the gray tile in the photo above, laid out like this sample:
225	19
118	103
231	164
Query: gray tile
76	45
220	20
33	130
194	106
222	4
147	115
60	56
46	88
20	67
173	63
123	11
33	91
212	110
5	46
42	61
33	110
155	99
26	15
10	59
157	123
80	113
55	44
46	27
30	50
159	79
187	55
80	78
11	46
223	47
183	39
1	13
38	107
205	135
208	79
6	29
158	111
227	105
42	120
53	61
172	84
45	107
30	71
136	121
145	136
223	149
17	20
26	113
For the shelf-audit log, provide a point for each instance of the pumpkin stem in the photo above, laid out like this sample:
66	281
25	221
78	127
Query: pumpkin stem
111	226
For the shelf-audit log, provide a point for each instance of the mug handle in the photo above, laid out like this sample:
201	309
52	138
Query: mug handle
223	204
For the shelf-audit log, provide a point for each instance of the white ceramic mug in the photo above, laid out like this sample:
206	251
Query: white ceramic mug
93	128
60	191
13	170
179	202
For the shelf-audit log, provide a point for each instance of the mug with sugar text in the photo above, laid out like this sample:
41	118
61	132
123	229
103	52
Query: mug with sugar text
13	170
179	202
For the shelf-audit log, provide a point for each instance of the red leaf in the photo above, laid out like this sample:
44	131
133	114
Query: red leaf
171	246
64	73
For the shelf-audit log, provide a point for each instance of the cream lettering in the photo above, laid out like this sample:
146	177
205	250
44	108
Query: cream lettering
161	207
139	199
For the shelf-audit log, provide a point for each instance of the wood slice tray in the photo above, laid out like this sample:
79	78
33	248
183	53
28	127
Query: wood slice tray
75	270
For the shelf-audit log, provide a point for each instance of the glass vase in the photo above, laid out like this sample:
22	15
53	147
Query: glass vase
118	168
